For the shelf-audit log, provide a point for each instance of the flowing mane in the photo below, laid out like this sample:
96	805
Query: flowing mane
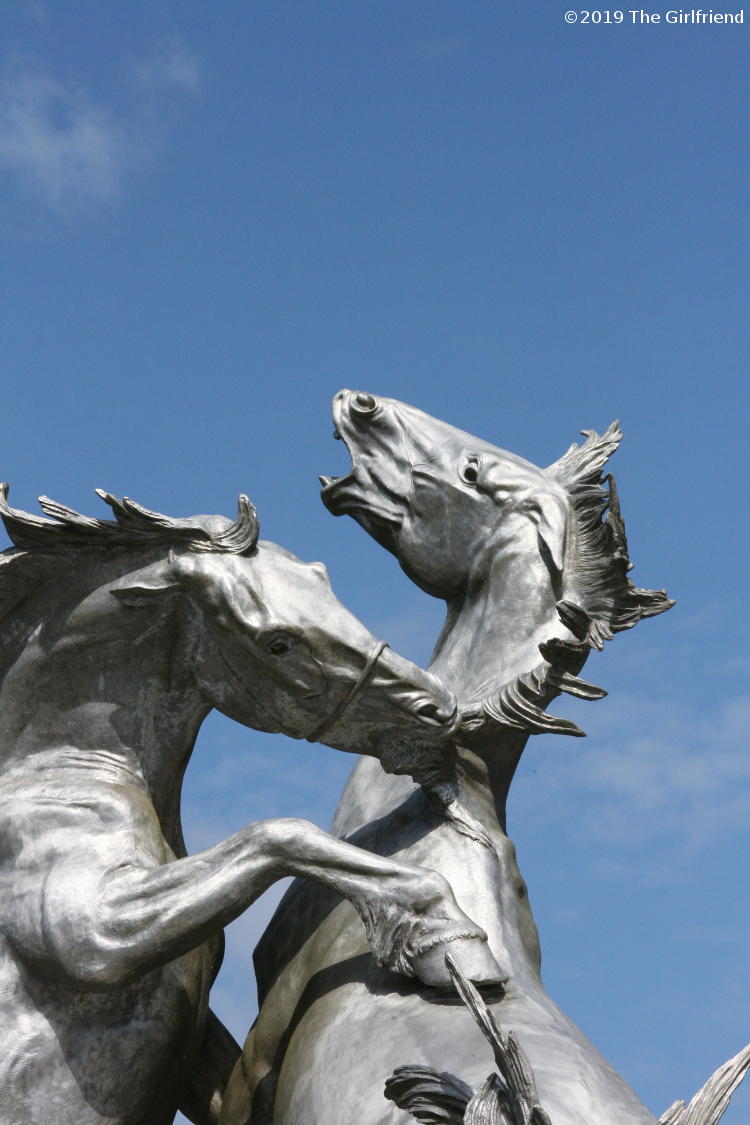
606	601
41	545
133	526
601	564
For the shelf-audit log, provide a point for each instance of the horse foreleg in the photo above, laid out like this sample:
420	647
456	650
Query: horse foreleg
106	924
409	912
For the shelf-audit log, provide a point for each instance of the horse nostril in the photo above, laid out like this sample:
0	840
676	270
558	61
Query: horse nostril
430	711
363	404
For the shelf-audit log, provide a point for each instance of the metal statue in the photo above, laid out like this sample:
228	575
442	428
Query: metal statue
118	639
533	566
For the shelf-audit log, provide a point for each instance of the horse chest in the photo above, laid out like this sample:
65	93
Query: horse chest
389	1029
88	1058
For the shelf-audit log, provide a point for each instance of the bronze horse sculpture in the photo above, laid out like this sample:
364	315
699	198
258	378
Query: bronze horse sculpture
119	636
533	566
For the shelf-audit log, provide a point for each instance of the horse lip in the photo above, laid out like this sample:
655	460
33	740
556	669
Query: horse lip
334	491
328	482
348	495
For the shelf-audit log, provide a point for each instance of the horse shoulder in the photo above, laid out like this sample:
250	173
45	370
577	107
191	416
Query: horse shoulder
59	843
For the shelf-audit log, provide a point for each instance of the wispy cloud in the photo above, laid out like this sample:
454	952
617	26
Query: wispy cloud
71	148
37	12
170	64
683	778
54	139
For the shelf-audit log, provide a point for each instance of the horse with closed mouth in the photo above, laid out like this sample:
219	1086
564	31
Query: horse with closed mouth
119	637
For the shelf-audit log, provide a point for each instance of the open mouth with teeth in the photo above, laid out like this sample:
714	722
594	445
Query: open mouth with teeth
357	493
334	492
339	493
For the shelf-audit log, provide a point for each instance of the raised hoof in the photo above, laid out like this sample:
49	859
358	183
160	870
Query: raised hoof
472	955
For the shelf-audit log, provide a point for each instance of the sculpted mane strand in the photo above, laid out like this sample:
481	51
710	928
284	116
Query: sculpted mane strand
41	545
601	553
133	526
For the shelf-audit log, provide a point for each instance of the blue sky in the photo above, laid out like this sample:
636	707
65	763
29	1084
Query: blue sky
214	216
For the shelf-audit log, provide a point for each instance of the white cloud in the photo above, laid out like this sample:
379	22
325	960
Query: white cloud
54	138
656	769
70	148
169	64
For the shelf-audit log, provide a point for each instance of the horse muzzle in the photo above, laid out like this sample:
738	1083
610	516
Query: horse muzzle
374	489
444	717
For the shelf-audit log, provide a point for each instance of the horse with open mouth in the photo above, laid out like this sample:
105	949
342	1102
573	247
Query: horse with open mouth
119	637
533	566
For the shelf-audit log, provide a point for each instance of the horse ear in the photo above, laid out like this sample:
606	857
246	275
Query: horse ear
550	514
157	582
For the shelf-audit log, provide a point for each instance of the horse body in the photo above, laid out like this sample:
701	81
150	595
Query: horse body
522	558
114	650
85	790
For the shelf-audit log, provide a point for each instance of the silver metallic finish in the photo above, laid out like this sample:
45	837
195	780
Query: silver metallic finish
118	639
533	566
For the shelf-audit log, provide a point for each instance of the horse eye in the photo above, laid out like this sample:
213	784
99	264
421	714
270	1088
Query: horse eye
278	646
470	471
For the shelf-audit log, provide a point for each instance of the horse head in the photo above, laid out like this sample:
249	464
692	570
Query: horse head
273	648
268	642
523	555
448	504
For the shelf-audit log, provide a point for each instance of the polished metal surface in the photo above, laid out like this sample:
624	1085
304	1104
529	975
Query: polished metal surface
119	637
406	948
532	564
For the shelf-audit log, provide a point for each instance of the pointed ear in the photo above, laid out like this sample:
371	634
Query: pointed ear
149	586
550	514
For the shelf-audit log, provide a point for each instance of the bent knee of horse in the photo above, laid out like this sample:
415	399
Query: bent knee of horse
85	964
282	837
100	976
86	970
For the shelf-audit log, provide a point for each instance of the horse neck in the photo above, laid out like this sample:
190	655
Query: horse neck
484	771
496	622
388	815
491	634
